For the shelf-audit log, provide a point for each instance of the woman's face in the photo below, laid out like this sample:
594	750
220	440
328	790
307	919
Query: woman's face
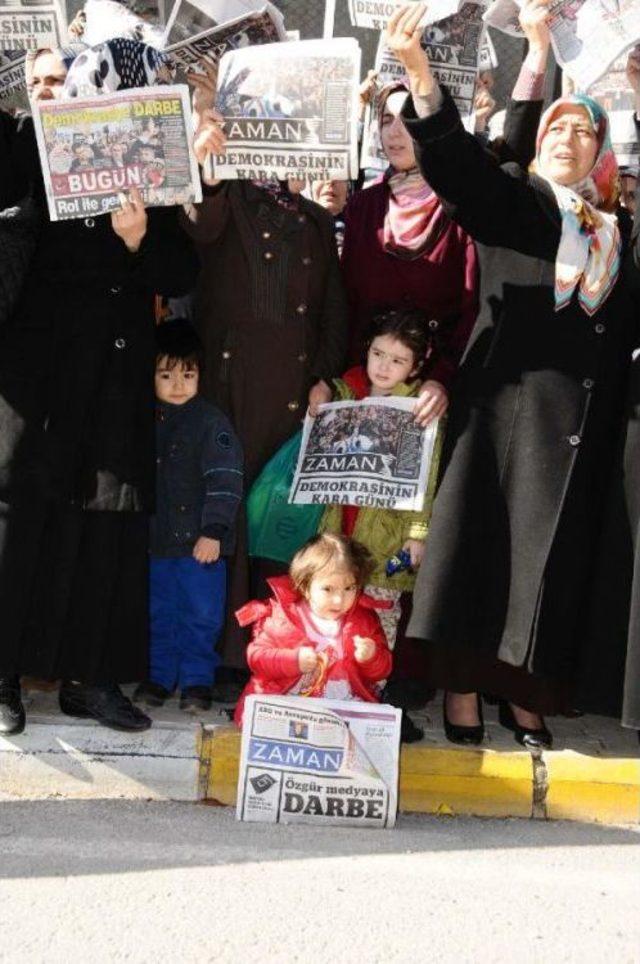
569	147
396	140
48	75
331	195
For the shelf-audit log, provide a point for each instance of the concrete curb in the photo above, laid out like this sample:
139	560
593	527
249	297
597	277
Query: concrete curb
557	784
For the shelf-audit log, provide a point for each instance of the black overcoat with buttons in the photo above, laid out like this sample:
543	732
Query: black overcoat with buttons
270	308
538	405
272	314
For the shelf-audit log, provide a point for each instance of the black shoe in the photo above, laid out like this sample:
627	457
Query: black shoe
469	735
539	738
409	732
150	693
12	718
195	698
105	703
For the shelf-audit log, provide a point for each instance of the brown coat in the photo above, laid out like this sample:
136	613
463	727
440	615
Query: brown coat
271	311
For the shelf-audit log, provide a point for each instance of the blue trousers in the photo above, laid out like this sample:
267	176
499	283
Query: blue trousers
187	607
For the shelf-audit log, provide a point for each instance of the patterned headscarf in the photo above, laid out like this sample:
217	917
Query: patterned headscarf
589	250
118	64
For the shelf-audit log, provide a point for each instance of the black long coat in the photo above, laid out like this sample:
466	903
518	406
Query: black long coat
531	428
272	313
76	413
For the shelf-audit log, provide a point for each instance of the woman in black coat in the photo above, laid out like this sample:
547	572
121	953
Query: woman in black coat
76	449
501	595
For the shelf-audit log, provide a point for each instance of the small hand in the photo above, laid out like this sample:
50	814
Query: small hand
415	548
206	550
130	222
307	659
209	137
484	105
403	35
203	96
367	90
319	395
432	402
364	649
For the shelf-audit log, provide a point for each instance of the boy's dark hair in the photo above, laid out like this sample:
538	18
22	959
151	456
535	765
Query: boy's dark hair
178	342
330	549
408	326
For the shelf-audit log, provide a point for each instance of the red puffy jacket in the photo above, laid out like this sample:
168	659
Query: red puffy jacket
272	654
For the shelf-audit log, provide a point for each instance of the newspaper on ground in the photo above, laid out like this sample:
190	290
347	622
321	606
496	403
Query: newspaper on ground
12	78
190	18
290	111
614	93
586	35
249	30
305	760
105	19
29	25
368	453
93	150
453	48
375	14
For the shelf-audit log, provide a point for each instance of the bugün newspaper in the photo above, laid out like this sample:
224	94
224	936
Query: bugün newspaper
250	30
365	453
290	110
613	92
587	35
453	48
92	150
29	25
305	760
189	18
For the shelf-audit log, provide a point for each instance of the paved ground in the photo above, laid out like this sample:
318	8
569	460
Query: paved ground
140	882
592	735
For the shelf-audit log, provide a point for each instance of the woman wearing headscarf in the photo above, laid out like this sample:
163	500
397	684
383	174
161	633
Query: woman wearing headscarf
402	251
501	596
76	428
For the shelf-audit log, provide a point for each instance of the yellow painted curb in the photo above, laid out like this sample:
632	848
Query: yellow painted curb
223	749
483	783
592	788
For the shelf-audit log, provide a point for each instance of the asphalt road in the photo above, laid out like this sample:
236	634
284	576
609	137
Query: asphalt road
122	881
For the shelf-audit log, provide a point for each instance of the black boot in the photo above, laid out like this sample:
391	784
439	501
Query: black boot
105	703
195	698
150	693
12	716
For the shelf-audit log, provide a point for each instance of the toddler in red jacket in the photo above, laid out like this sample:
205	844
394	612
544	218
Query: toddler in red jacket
319	635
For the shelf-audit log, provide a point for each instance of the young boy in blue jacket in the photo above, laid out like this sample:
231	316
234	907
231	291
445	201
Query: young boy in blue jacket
198	491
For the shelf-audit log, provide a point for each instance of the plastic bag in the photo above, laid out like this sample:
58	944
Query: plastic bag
277	529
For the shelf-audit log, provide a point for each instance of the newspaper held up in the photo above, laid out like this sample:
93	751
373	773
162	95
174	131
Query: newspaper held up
190	18
368	453
93	150
376	14
305	760
453	48
29	25
12	77
613	93
249	30
586	35
290	111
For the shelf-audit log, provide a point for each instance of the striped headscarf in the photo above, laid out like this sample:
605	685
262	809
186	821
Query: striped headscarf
589	251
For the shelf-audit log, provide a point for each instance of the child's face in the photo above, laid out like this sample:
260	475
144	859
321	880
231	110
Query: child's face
389	362
332	593
175	385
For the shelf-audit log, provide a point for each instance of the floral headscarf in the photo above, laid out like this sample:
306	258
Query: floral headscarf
589	251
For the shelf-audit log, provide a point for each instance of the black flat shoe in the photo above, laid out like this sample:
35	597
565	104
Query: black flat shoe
540	738
12	717
106	704
409	732
150	693
194	699
464	735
